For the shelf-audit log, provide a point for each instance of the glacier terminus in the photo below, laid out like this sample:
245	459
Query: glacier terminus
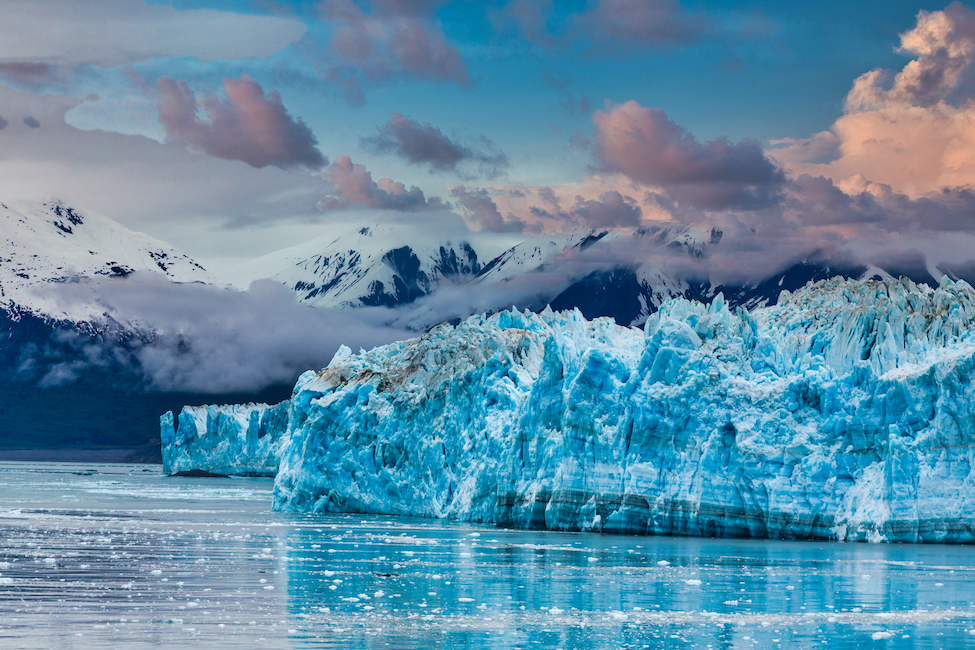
842	412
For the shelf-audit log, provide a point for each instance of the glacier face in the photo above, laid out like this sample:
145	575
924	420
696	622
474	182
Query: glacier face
239	439
843	412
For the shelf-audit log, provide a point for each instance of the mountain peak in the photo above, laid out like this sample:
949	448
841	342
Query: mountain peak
53	243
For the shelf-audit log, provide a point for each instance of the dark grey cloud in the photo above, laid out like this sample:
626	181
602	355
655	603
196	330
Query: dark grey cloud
481	210
611	210
30	75
31	122
354	187
425	144
248	126
547	194
3	123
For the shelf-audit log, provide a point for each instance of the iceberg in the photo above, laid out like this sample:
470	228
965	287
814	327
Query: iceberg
844	411
242	440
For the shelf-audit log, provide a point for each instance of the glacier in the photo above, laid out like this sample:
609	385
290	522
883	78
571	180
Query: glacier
240	439
844	412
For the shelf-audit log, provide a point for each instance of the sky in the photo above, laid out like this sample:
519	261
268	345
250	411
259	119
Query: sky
232	128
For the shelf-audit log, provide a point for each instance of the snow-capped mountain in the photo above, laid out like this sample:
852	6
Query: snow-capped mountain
68	371
381	265
535	253
625	274
393	265
42	245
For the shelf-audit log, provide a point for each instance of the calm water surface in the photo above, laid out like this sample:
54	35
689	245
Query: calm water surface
119	556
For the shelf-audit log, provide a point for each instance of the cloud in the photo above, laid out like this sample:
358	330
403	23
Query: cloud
3	123
578	140
611	210
604	27
944	44
527	18
913	130
424	144
481	210
174	194
210	339
247	126
354	187
878	208
30	75
823	147
616	25
36	37
570	102
648	147
395	39
608	210
31	122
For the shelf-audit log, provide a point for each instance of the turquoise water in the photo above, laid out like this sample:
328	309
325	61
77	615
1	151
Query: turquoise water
119	556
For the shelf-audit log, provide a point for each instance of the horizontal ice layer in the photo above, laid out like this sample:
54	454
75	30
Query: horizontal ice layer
843	412
243	439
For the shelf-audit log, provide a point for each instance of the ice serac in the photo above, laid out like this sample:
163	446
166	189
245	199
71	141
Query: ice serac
843	412
242	440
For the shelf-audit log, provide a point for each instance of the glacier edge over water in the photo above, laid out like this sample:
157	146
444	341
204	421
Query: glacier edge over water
240	439
842	412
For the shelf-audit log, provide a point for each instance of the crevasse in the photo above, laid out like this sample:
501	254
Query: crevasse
842	412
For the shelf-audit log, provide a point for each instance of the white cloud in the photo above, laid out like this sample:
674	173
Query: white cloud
144	184
106	33
211	339
913	130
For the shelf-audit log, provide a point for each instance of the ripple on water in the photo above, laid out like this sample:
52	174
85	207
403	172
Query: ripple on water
134	559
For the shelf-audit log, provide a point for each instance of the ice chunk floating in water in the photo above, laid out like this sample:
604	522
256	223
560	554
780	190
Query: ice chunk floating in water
843	412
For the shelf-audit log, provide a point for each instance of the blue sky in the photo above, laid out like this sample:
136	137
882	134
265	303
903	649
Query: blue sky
781	69
478	103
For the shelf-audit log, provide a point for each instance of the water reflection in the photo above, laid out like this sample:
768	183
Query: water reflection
114	556
433	584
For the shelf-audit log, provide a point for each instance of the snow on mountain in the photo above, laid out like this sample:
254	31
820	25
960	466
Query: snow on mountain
843	412
624	273
381	265
393	265
534	253
48	244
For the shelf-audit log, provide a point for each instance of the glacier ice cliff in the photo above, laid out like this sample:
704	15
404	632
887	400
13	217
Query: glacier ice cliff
843	412
243	440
